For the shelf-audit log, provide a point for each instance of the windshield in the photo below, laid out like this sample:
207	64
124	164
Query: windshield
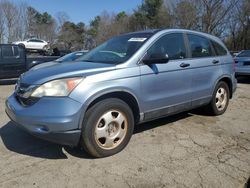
245	53
71	57
118	49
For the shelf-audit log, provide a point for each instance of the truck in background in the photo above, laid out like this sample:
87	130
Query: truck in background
14	60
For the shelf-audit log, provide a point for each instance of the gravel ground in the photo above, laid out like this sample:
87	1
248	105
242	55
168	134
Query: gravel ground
186	150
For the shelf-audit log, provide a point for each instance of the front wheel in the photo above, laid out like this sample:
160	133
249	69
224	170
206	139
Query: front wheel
107	127
220	99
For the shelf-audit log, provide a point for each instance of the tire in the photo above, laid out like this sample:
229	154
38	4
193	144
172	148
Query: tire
21	45
107	128
220	99
45	48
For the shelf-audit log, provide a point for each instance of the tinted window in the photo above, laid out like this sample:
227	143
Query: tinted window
219	50
35	40
170	44
200	46
7	51
10	51
39	41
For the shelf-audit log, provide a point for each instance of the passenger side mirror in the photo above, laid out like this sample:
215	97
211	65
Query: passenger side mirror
155	59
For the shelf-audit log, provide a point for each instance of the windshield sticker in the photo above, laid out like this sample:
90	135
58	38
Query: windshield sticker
137	39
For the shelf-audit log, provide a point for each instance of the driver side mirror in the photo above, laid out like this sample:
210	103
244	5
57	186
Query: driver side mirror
155	59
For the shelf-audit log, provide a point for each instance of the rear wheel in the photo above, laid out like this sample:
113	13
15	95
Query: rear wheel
220	99
21	45
107	127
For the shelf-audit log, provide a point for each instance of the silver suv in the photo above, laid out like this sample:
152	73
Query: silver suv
130	79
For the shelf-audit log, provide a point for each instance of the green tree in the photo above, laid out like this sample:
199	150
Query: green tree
151	14
71	36
186	15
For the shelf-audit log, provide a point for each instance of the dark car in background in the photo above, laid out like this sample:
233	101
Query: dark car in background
72	56
12	61
242	61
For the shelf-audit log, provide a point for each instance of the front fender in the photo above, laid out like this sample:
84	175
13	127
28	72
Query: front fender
101	93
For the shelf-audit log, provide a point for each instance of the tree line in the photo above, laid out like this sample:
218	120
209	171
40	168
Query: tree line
227	19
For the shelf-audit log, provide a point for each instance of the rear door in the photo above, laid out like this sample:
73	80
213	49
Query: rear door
165	88
206	68
39	44
13	61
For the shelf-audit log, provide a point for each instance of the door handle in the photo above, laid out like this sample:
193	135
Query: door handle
183	65
215	61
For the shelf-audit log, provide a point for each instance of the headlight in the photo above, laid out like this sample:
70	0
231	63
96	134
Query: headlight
57	88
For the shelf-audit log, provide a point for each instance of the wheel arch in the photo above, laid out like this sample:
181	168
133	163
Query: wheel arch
123	95
227	79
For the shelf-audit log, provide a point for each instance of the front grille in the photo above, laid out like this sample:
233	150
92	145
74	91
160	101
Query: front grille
247	63
26	101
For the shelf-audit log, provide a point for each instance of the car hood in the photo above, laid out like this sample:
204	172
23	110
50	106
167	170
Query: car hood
53	70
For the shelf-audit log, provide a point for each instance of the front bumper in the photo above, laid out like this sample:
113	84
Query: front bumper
53	119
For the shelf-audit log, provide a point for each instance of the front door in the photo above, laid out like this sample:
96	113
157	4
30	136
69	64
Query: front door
166	88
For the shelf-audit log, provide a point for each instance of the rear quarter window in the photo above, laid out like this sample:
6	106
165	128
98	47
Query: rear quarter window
10	52
219	50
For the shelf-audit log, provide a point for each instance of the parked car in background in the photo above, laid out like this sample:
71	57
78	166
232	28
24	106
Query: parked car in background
33	44
72	56
67	58
14	60
242	61
130	79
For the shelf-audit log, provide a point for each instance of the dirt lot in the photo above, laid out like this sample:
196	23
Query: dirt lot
186	150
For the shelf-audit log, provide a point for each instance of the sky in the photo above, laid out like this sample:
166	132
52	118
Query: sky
83	10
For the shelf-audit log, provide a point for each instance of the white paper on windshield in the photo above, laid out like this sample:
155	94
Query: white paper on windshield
137	39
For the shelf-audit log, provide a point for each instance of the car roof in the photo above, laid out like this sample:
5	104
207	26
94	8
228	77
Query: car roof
154	31
35	39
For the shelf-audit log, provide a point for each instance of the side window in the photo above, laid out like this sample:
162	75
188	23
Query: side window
16	51
10	52
35	40
171	44
38	41
200	46
7	52
219	50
